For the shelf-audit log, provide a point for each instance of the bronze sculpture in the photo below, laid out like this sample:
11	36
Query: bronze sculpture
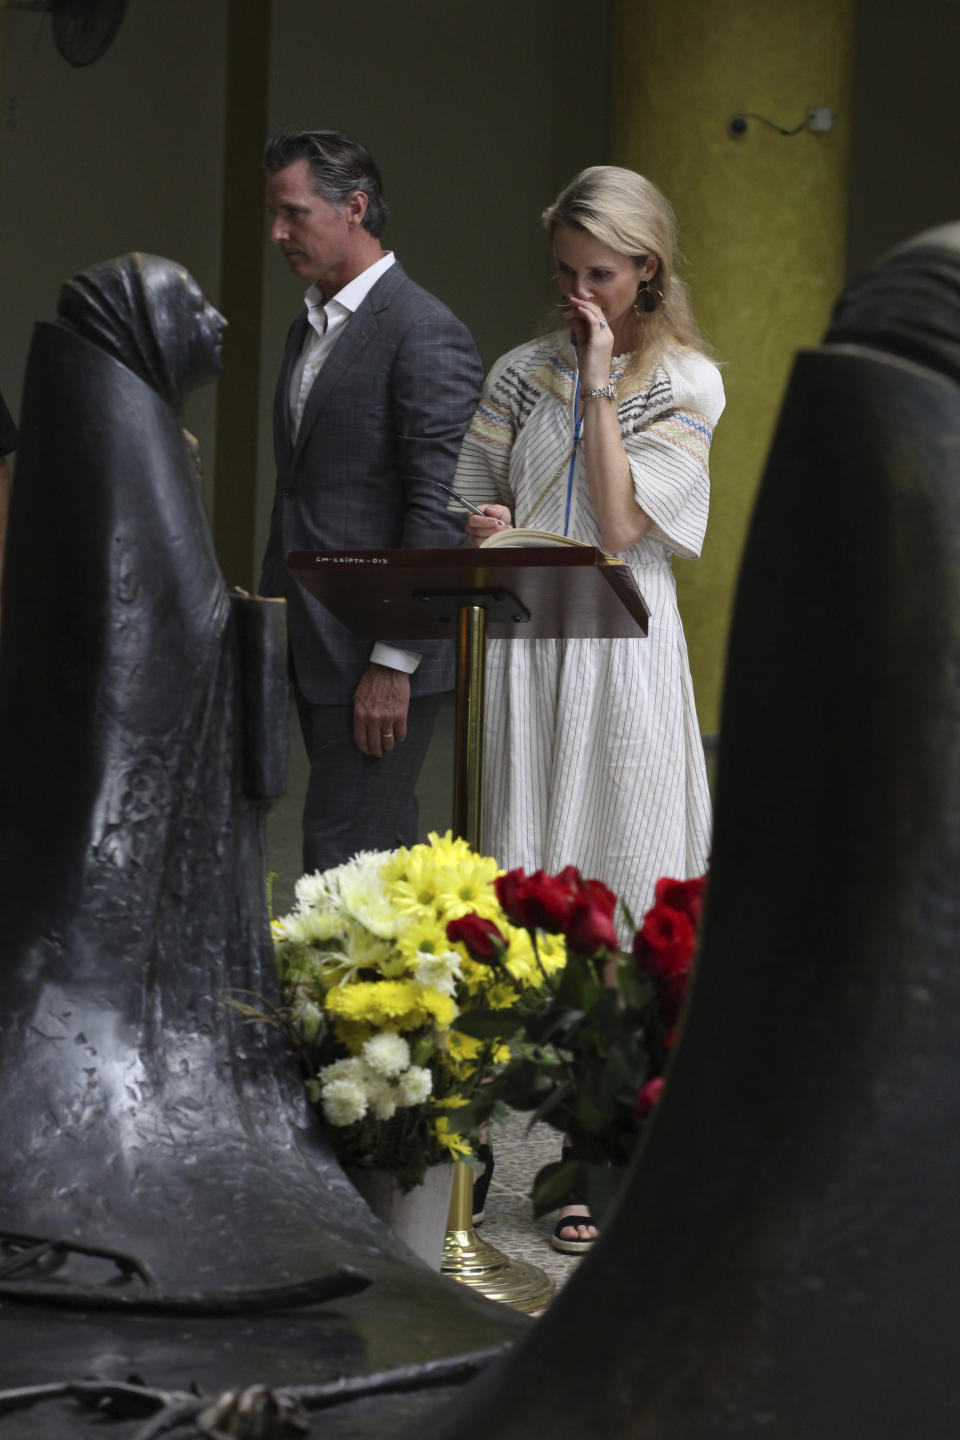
144	1120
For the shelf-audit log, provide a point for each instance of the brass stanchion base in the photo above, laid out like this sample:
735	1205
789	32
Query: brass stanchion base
474	1262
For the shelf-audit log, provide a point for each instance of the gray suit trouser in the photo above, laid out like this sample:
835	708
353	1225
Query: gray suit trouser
355	801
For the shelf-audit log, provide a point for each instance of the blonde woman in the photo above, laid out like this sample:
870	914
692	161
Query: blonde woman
601	431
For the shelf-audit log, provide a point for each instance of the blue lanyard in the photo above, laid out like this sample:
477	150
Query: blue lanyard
577	432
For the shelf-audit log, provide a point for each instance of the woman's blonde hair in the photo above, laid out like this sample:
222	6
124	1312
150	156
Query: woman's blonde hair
627	213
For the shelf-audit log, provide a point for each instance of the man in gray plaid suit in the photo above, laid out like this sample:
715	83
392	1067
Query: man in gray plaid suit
378	384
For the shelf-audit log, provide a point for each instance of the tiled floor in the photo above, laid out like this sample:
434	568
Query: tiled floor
518	1153
509	1224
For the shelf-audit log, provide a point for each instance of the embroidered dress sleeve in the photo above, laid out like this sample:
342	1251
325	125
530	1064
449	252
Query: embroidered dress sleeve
667	431
483	469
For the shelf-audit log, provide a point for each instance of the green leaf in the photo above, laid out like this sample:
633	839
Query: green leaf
555	1183
522	1085
551	1102
597	1185
488	1024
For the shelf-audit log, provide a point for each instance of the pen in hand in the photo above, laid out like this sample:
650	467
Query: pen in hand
468	504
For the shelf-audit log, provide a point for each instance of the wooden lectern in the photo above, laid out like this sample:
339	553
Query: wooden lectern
466	596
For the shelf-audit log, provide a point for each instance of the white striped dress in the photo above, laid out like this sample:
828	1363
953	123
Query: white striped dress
593	755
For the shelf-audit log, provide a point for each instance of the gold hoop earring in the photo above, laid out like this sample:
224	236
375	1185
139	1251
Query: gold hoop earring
649	298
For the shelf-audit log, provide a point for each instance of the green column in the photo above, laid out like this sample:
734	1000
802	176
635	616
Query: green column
762	228
241	272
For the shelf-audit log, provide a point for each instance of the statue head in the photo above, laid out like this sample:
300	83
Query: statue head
151	315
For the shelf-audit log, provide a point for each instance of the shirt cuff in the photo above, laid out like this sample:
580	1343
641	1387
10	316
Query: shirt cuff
405	660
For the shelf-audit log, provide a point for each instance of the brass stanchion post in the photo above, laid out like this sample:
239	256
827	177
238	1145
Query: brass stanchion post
466	1257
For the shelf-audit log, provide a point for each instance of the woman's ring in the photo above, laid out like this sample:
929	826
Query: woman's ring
603	324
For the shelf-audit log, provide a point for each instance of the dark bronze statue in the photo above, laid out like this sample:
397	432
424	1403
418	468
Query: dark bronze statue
168	1208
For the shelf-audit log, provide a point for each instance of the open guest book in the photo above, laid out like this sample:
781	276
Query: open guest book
522	537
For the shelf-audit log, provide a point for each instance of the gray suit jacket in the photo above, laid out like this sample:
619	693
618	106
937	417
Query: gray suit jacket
382	423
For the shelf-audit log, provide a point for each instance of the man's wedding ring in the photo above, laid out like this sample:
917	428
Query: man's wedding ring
386	734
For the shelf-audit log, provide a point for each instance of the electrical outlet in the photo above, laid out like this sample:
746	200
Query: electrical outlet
821	119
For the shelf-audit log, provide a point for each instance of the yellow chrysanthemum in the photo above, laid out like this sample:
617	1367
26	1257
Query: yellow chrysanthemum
420	890
501	996
448	849
521	960
464	900
462	1047
553	953
392	1003
450	1139
423	936
451	1102
441	1007
395	866
469	887
353	1034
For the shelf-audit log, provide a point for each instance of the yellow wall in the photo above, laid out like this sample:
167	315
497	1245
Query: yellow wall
762	226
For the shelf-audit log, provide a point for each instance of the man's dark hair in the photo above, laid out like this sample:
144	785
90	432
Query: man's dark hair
339	166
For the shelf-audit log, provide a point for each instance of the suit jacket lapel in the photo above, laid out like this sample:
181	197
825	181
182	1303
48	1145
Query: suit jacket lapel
358	332
283	440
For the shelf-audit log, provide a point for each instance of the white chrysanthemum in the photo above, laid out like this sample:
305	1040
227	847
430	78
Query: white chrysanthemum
439	972
344	1102
311	890
383	1100
319	926
358	950
293	928
360	889
352	1069
387	1053
309	1018
415	1085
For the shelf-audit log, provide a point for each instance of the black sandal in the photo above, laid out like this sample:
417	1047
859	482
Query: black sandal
570	1222
482	1183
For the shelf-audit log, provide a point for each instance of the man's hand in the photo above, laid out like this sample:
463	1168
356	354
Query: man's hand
380	704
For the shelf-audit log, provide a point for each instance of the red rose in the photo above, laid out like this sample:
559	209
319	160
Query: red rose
590	930
570	876
683	895
665	942
481	937
538	901
548	900
509	888
647	1097
600	894
671	993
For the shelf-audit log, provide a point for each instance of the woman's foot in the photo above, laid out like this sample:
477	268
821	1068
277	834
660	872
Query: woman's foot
574	1231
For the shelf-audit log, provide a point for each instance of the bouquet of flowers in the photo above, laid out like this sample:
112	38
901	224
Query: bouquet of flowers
589	1059
376	981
